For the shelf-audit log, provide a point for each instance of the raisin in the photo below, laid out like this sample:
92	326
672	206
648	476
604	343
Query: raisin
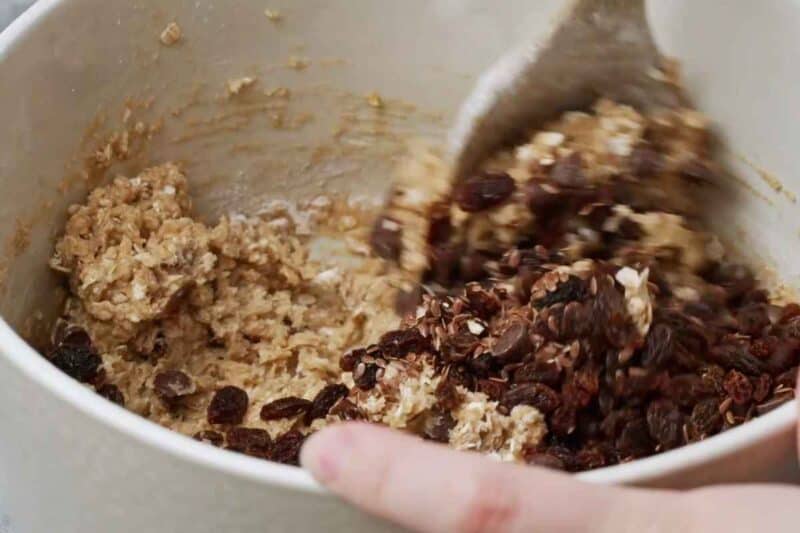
460	376
76	337
735	356
787	379
665	424
209	437
537	395
659	347
111	393
575	321
459	346
563	420
514	342
645	161
705	420
400	343
762	386
346	410
288	407
78	362
247	439
439	228
492	388
386	238
545	460
172	385
634	440
365	376
785	356
483	303
286	448
546	372
482	365
589	458
753	318
350	360
764	347
568	171
447	395
444	263
228	406
688	389
738	387
484	191
324	400
434	424
571	290
472	266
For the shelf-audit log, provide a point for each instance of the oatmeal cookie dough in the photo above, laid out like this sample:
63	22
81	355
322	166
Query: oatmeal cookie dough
236	303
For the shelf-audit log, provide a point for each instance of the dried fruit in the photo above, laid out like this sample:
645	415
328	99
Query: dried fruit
387	238
77	361
568	171
736	356
400	343
659	347
346	410
286	448
172	385
228	406
210	437
248	440
572	290
111	393
483	191
738	387
665	424
434	424
365	375
546	372
537	395
349	360
288	407
705	420
324	400
634	440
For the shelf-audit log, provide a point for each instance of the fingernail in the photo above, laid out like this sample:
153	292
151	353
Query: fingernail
324	453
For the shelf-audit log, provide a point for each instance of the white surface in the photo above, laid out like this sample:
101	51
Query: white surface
76	452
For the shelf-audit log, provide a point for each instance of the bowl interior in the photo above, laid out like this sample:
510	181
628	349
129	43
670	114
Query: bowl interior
68	79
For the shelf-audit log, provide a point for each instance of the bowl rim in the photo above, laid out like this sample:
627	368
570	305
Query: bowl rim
36	368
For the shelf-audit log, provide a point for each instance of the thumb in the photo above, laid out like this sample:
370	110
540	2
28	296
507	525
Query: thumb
430	488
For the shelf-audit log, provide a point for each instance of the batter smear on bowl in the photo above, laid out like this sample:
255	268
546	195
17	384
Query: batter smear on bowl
563	307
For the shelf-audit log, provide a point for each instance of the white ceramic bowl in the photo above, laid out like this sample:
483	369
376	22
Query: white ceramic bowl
72	462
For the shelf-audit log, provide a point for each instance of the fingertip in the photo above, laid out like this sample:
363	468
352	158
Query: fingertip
325	451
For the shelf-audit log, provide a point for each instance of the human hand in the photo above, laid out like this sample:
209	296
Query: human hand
430	488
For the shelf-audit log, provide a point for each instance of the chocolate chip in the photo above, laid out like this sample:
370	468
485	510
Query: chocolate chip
172	385
483	191
386	238
514	342
568	171
111	393
288	407
228	406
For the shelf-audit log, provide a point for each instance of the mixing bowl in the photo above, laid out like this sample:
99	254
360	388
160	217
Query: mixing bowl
73	72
